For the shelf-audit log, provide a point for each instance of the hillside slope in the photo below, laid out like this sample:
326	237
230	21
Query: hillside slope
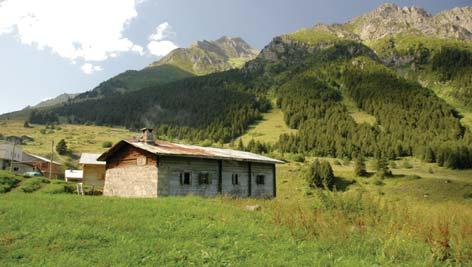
310	72
202	57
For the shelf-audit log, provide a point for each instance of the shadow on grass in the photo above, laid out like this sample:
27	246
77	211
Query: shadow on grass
342	184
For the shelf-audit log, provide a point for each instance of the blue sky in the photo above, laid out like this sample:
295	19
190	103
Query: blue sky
49	47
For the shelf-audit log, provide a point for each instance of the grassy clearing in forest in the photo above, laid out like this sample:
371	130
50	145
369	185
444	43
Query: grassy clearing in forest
357	114
269	128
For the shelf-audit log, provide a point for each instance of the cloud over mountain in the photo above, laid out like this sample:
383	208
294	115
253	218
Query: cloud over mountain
158	45
78	30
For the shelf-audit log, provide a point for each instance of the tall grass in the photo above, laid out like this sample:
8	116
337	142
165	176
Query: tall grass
396	231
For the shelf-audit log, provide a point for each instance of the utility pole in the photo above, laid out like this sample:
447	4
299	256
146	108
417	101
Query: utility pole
52	157
12	156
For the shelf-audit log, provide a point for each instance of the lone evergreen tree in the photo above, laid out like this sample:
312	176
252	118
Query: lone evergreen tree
382	167
61	147
359	167
320	174
240	144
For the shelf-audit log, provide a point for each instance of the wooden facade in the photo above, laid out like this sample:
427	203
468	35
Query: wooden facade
93	174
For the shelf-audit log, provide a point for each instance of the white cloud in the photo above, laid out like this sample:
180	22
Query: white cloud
88	68
158	46
87	30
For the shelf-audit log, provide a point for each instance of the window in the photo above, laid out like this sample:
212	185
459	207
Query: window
15	169
235	179
260	179
203	178
185	178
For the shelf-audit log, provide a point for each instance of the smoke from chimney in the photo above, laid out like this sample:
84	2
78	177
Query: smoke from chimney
147	136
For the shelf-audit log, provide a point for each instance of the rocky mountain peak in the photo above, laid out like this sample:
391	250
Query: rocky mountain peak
391	19
203	57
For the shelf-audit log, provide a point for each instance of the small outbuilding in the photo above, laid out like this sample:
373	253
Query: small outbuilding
148	168
74	176
93	169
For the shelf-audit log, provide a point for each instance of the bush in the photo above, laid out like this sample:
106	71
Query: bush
337	163
8	182
33	184
298	158
320	174
61	147
359	167
59	187
107	144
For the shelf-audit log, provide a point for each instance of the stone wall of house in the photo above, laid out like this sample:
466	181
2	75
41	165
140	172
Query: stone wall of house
131	173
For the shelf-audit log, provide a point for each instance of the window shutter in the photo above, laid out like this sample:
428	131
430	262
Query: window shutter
181	179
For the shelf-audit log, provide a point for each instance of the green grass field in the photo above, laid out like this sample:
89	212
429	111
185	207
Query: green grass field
421	216
79	138
301	227
357	114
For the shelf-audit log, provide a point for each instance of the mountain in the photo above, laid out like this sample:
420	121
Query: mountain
313	73
133	80
56	100
204	57
391	19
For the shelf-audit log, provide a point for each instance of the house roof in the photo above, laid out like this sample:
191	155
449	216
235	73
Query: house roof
42	158
90	159
74	174
191	151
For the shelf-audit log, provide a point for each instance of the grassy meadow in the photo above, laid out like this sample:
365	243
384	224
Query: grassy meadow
269	128
79	138
363	223
419	217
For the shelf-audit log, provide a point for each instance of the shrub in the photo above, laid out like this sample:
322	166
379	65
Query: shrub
382	167
298	158
8	182
320	174
61	147
107	144
33	184
359	167
337	163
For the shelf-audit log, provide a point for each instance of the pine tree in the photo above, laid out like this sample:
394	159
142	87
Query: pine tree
359	167
61	147
382	167
429	155
320	174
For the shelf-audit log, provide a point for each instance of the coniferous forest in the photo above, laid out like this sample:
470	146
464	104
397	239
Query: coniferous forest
310	86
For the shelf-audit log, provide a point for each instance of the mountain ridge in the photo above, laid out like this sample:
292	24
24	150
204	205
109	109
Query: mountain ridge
204	57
